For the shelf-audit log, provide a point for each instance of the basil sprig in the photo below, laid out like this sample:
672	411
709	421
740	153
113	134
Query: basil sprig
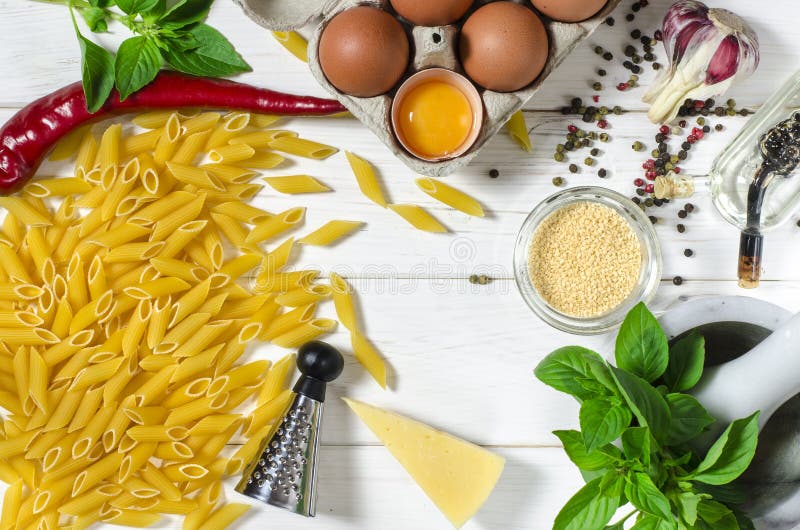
170	32
638	434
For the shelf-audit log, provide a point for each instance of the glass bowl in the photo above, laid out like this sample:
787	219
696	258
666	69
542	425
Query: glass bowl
649	274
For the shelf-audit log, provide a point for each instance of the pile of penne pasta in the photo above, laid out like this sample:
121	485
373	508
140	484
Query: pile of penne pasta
129	294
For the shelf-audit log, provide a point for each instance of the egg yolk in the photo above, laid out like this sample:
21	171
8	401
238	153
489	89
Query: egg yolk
435	119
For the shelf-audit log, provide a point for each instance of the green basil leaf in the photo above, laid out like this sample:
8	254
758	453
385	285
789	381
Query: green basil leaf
97	68
95	18
686	359
138	62
717	515
133	7
644	495
680	461
636	444
101	3
651	522
688	418
687	506
617	526
649	407
212	56
612	484
732	493
564	368
185	12
586	509
602	421
587	460
731	454
642	348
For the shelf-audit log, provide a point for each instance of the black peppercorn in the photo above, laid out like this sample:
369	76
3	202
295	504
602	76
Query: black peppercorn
640	192
682	214
689	207
602	173
610	21
688	253
636	7
649	57
608	56
601	72
627	64
630	17
493	173
653	219
629	51
718	127
656	66
686	146
573	168
681	228
682	155
658	202
706	128
677	280
577	102
594	152
636	34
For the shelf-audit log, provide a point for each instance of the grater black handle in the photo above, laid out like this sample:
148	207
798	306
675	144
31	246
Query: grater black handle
319	363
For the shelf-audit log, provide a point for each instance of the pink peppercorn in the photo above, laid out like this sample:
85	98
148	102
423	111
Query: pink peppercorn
572	128
638	183
682	124
699	104
602	124
649	164
664	129
651	174
649	188
595	98
691	139
623	86
677	170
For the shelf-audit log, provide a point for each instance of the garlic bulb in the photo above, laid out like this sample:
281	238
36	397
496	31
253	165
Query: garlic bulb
708	49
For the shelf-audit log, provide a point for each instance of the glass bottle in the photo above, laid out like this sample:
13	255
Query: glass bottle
752	182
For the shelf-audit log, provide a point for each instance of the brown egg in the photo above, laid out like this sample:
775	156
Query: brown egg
504	46
431	12
364	51
569	10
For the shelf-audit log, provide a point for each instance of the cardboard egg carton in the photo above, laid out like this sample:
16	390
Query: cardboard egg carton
431	47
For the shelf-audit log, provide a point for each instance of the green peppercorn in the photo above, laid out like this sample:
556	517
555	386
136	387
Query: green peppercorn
586	142
604	137
558	157
669	166
597	116
731	103
581	110
558	181
731	112
597	86
592	135
604	111
674	159
560	148
589	161
701	121
637	146
483	279
648	202
655	153
598	50
617	110
573	168
580	133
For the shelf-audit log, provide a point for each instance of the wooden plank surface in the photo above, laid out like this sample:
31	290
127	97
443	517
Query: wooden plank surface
461	355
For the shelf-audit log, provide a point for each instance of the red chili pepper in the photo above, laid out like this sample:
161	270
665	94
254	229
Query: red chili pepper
27	137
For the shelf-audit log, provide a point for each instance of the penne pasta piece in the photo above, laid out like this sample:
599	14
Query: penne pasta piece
96	473
134	252
342	295
240	265
167	144
108	155
296	337
302	147
157	288
185	233
174	451
303	296
91	313
450	196
194	176
67	147
96	278
191	147
367	179
202	338
136	459
277	379
16	319
202	122
91	434
121	235
156	211
268	413
136	144
294	43
366	354
248	451
87	153
262	121
260	139
518	131
152	119
24	212
178	217
231	153
294	184
57	187
28	336
12	499
285	322
230	174
196	364
156	478
196	409
330	233
417	217
242	212
157	433
155	388
183	472
224	517
263	160
159	320
276	225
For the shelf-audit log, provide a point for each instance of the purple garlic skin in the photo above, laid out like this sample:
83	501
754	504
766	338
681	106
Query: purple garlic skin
709	49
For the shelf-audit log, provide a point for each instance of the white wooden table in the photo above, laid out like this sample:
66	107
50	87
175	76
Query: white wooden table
461	355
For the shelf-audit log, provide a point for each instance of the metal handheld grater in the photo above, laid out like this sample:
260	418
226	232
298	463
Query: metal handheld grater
284	474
